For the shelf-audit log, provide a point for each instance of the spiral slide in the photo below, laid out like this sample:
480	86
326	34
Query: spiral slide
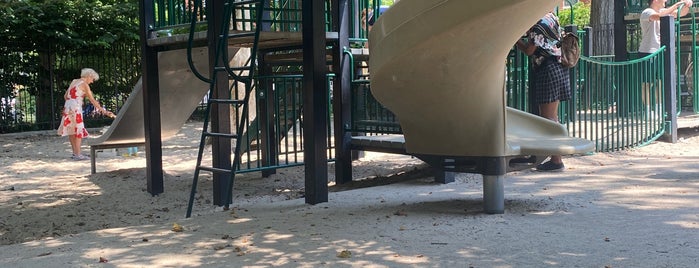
180	94
439	66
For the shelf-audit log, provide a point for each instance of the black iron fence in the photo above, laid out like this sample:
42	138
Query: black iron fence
33	80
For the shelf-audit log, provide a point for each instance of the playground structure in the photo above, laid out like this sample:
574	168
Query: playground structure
491	159
182	94
450	109
282	45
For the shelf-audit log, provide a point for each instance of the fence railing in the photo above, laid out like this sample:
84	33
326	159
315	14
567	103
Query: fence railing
175	16
34	80
615	104
273	136
620	104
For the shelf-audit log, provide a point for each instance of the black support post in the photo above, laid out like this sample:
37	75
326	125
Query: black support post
266	100
315	102
341	93
587	42
667	39
220	112
620	53
151	102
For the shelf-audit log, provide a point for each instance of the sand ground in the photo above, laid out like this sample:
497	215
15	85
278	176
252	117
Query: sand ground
635	208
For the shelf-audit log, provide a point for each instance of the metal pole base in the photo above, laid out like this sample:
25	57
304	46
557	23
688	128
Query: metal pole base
493	194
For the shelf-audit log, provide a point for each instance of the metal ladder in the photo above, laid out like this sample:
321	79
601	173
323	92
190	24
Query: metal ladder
240	106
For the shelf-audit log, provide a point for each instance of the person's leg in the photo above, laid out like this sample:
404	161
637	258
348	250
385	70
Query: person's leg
77	145
658	97
645	95
74	145
650	97
550	111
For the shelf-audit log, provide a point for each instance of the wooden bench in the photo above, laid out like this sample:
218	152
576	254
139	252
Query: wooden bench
98	147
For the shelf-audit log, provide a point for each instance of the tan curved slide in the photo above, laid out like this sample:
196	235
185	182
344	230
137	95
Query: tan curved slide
180	94
439	66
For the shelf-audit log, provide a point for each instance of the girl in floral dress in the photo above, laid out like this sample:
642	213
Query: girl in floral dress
72	124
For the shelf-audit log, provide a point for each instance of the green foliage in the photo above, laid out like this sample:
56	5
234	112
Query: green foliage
581	15
47	42
68	23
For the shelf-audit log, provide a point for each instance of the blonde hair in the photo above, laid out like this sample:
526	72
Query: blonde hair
89	72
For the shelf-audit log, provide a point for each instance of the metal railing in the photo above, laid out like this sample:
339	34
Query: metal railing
617	105
32	98
620	104
174	16
637	6
274	134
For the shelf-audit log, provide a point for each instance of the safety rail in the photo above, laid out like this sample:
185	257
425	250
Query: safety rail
685	52
623	105
607	107
637	6
174	17
284	117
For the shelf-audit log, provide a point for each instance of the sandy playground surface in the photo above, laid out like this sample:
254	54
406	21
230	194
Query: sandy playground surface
636	208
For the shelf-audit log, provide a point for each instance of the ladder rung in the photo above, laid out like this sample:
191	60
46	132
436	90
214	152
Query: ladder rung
215	170
243	68
246	2
228	101
240	68
237	35
222	135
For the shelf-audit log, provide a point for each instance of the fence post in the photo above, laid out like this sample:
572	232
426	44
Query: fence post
586	89
667	39
573	81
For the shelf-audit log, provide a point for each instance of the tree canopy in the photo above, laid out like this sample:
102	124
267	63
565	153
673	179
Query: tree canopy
68	23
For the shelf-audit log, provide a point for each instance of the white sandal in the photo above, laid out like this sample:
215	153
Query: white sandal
79	157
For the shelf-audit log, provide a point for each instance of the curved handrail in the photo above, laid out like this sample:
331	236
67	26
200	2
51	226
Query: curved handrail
190	45
624	115
678	45
572	15
593	59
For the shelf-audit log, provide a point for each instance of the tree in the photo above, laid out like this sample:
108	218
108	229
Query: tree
602	23
36	30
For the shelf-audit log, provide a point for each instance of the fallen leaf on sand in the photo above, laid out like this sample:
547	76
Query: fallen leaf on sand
344	254
177	228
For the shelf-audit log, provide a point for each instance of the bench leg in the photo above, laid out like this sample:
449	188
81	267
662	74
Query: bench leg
441	176
494	194
93	155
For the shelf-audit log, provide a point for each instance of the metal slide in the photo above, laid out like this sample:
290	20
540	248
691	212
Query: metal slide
180	94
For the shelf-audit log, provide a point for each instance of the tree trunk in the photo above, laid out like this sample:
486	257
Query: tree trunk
602	22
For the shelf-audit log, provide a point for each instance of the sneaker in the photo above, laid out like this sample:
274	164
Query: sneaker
79	157
550	166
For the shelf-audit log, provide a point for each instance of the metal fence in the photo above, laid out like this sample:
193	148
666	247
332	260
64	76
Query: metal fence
175	16
615	104
33	81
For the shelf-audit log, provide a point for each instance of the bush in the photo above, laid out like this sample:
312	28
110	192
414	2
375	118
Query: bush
581	15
